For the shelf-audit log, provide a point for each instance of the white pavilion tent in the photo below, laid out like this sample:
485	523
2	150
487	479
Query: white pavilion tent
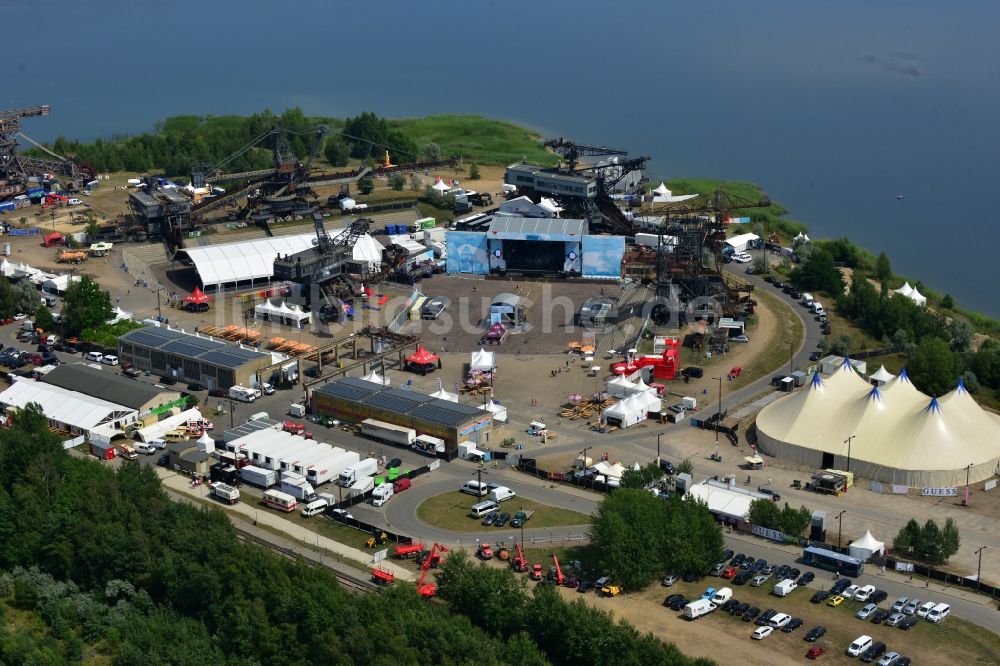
499	411
663	195
881	377
247	260
620	387
867	546
376	378
441	394
441	186
626	412
206	443
482	360
120	315
281	313
911	293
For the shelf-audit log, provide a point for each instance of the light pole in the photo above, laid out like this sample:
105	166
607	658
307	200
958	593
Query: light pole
848	442
840	526
658	436
979	570
718	419
965	500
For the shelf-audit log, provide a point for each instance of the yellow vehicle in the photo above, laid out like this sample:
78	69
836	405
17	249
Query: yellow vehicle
611	590
835	600
175	436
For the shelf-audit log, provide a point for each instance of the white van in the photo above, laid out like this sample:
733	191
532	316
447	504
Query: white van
483	508
476	488
501	494
722	596
314	508
145	449
925	609
860	644
95	356
938	613
157	444
109	360
382	494
807	300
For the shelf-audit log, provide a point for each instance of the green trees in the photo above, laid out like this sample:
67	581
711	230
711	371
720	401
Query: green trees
933	367
883	269
792	522
336	151
642	477
432	151
44	320
929	543
474	171
86	306
817	273
366	129
397	181
8	298
948	303
637	536
26	296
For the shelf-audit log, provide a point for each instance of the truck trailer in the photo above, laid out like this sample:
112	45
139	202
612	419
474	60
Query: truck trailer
258	476
298	488
330	468
313	457
366	467
387	432
361	486
225	493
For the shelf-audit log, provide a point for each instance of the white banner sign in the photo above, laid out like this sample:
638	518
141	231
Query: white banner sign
899	490
767	533
990	485
434	465
939	492
380	555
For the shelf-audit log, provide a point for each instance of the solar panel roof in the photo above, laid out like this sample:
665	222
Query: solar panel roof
190	346
401	401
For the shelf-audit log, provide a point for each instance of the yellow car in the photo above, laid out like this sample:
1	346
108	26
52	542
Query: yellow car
610	590
835	600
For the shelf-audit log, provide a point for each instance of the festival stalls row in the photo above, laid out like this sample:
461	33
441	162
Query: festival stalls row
282	314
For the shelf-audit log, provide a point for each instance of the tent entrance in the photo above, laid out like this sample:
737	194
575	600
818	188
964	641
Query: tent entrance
827	461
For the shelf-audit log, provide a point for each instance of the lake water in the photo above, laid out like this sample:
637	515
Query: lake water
835	107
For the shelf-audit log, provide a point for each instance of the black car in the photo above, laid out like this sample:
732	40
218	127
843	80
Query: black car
395	462
767	491
794	293
726	555
806	578
689	577
873	653
218	393
50	359
168	380
880	615
693	372
766	616
841	585
739	609
792	573
906	623
747	563
668	467
902	661
679	604
584	586
758	565
730	605
670	599
737	560
815	634
751	613
488	520
769	278
815	356
792	625
778	285
781	573
502	519
313	371
819	597
787	288
742	578
878	596
163	460
195	386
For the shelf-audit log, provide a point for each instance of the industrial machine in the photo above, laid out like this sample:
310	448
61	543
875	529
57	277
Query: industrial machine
16	170
428	590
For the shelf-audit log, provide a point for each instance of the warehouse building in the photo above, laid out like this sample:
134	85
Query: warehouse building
75	415
354	399
191	358
148	400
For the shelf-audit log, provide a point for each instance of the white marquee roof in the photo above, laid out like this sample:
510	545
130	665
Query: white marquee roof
882	375
67	407
895	427
246	260
161	428
444	395
482	360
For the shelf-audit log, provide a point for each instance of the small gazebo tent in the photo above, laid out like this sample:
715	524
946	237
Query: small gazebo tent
867	546
422	361
482	360
198	300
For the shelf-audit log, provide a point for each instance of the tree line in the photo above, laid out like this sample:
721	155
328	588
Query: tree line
930	543
115	568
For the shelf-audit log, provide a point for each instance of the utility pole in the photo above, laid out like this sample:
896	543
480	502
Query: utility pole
848	442
232	409
159	313
480	473
791	356
965	500
658	436
840	526
718	420
979	570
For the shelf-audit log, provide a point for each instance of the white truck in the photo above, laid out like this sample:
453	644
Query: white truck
297	410
361	486
366	467
225	493
330	468
244	393
387	432
381	494
258	476
297	487
697	608
785	587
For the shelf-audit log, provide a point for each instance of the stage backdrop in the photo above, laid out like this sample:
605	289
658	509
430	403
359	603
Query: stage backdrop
467	252
602	256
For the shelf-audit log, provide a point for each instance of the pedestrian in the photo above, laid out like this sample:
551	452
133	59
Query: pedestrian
768	480
911	576
927	583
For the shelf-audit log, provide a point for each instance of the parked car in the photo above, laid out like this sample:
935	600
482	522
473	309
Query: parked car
897	607
740	608
750	613
313	371
163	460
889	659
840	585
740	338
911	606
730	605
669	580
718	569
835	600
907	623
766	616
502	519
850	591
815	652
195	386
693	372
758	581
873	653
761	633
792	625
747	563
758	565
894	619
880	616
726	555
488	520
815	356
736	560
866	612
170	381
729	573
819	596
742	577
767	491
671	599
584	586
680	603
815	634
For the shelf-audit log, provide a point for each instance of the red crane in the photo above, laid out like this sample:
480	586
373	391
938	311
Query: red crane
560	577
519	563
430	589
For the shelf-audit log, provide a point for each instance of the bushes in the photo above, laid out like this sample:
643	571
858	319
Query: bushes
929	543
793	522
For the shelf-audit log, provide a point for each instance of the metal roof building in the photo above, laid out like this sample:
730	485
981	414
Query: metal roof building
191	358
232	263
110	386
354	399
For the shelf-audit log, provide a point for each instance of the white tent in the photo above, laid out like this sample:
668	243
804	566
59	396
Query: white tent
881	377
499	411
376	378
7	269
897	434
247	260
160	428
482	360
651	400
440	186
662	190
366	249
867	546
120	315
206	443
281	313
626	412
905	290
549	207
620	387
66	409
59	284
917	297
610	470
663	195
441	394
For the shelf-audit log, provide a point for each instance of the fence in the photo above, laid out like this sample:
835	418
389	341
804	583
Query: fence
30	231
588	481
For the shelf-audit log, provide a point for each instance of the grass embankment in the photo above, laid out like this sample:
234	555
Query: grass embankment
954	641
772	217
786	335
478	139
450	511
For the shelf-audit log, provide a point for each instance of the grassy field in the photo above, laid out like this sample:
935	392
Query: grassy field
788	335
953	641
475	138
450	511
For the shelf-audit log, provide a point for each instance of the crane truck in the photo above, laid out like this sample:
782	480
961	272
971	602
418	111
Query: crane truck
429	590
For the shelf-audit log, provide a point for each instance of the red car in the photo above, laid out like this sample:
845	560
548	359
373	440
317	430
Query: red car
729	572
815	652
292	427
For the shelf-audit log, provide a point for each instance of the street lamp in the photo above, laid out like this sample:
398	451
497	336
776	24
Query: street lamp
965	500
718	417
840	526
848	442
979	570
658	436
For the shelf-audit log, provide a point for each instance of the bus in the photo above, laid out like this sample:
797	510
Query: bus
830	560
280	501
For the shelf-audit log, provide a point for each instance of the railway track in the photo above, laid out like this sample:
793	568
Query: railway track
350	582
